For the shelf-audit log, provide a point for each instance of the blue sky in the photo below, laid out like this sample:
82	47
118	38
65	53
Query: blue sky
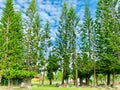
51	9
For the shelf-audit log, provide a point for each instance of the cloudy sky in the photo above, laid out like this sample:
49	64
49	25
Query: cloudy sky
51	9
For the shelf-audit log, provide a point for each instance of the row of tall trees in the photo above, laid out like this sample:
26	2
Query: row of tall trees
107	38
98	42
66	41
20	43
80	49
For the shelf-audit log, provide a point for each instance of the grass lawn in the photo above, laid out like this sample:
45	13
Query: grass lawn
57	88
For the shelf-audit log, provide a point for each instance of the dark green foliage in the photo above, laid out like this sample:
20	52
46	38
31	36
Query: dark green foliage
66	39
46	40
72	23
107	37
12	61
107	47
62	42
85	61
53	65
12	49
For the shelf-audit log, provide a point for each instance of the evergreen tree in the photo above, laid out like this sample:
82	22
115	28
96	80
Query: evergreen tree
107	46
86	44
72	23
37	41
46	44
32	39
66	41
62	42
46	38
29	35
53	66
11	47
32	36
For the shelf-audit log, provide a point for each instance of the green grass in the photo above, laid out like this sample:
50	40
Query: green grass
57	88
53	88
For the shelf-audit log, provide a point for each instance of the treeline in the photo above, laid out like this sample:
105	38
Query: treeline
80	49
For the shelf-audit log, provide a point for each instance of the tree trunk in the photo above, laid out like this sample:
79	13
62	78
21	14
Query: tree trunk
76	63
74	81
81	81
95	79
29	81
76	77
113	80
9	84
43	78
63	77
50	81
0	79
87	80
108	79
67	82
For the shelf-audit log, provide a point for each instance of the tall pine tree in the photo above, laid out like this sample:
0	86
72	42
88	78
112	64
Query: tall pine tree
72	23
108	29
62	42
46	44
11	47
32	39
86	45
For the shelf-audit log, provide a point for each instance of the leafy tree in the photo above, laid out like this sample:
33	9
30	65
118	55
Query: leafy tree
62	42
72	23
11	47
86	45
46	44
66	40
107	46
37	53
32	39
29	35
46	40
53	66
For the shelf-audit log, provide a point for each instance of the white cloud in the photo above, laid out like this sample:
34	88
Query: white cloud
24	16
21	2
53	38
17	7
44	15
51	10
53	34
